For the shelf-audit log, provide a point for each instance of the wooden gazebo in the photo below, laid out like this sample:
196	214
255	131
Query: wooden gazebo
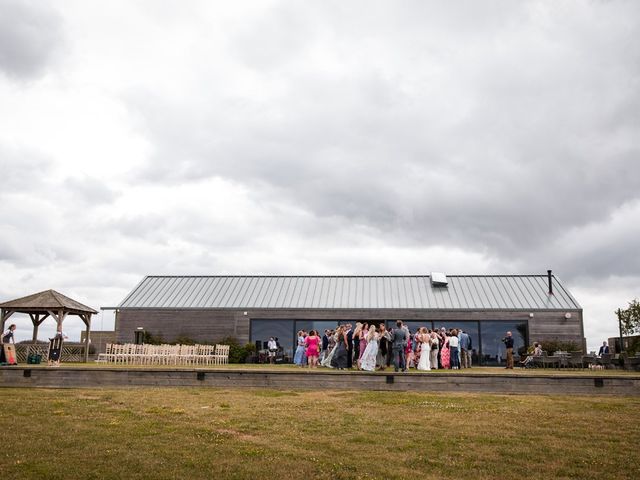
49	303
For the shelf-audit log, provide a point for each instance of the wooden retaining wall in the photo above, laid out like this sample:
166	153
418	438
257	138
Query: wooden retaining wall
434	382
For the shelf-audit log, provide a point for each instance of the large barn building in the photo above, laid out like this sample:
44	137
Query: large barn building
253	308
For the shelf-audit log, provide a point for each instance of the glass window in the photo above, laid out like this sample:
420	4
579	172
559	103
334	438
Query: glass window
319	325
471	328
283	330
413	326
492	333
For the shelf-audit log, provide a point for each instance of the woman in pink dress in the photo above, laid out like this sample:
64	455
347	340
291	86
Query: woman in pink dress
363	342
445	359
408	351
312	342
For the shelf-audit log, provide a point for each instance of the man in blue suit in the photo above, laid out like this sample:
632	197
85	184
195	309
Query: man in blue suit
603	349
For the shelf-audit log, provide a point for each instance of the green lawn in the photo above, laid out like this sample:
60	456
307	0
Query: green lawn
195	433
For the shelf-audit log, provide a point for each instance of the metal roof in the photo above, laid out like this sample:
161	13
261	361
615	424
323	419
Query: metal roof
468	292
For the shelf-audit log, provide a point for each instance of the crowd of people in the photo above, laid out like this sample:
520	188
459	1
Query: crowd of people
371	347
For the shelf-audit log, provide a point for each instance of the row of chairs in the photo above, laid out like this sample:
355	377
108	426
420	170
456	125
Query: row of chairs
578	360
133	354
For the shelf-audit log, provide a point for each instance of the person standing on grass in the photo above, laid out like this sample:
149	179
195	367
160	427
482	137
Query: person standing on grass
7	337
356	344
298	358
604	349
463	341
311	343
408	349
425	349
453	350
508	344
444	353
435	346
272	346
363	341
325	346
384	346
370	355
348	331
442	339
399	341
331	349
339	359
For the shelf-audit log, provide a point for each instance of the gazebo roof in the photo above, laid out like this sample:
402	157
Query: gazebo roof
47	300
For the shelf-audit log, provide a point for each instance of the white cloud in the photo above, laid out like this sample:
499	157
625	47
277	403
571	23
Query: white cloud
284	137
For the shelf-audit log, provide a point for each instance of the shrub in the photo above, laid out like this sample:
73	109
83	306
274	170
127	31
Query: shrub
250	351
554	345
633	347
151	339
184	340
237	352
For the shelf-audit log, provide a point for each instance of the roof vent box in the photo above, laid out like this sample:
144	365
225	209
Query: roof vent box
438	279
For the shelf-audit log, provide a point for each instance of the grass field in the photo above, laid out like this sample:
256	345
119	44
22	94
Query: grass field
172	433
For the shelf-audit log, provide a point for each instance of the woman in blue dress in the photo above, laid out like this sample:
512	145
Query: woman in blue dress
300	357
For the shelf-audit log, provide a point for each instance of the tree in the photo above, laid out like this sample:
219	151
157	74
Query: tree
630	318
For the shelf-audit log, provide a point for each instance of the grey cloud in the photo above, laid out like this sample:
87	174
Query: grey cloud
30	36
22	170
89	190
437	147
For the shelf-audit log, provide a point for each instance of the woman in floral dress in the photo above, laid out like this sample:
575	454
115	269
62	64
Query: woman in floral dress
445	360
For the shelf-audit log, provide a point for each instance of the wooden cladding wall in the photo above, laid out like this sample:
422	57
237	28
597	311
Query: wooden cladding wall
213	325
200	325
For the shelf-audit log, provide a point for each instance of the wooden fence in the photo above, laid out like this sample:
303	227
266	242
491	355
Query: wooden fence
70	353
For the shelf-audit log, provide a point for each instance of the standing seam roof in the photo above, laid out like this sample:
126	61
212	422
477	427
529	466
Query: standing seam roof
481	292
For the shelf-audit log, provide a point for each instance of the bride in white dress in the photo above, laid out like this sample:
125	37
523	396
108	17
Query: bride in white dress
368	360
425	351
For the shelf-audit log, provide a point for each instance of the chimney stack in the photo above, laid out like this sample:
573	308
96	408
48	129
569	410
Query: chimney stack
550	282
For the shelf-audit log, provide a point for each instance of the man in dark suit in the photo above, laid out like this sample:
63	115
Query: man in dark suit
399	339
603	349
350	346
325	345
508	343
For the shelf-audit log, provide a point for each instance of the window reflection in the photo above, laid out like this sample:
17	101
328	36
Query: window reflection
283	330
471	328
486	336
493	349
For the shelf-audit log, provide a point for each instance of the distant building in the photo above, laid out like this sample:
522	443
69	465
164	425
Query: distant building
629	342
99	339
253	308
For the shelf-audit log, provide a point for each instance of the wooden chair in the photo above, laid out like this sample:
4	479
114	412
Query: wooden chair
107	356
605	360
575	360
222	354
550	360
588	360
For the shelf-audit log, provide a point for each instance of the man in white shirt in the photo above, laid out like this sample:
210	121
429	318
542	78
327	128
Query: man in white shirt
272	345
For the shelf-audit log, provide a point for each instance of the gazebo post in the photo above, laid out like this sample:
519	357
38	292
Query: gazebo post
4	315
60	319
35	319
87	321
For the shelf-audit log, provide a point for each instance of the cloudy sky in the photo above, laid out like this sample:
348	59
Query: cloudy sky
319	137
